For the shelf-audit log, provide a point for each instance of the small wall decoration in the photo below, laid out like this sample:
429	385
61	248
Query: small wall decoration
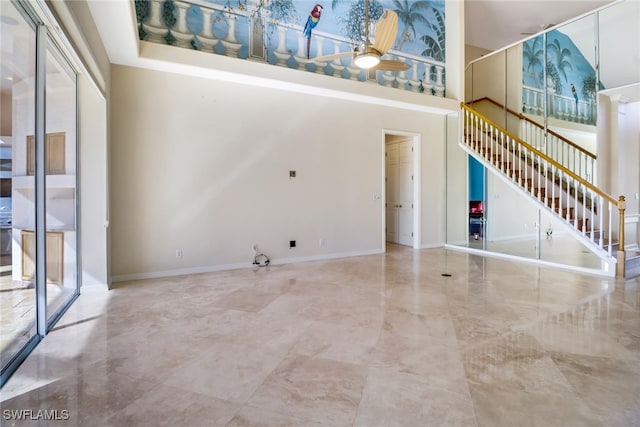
290	33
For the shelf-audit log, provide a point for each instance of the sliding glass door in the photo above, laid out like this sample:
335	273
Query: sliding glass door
18	322
38	151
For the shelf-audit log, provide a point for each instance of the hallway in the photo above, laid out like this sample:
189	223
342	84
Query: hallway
378	340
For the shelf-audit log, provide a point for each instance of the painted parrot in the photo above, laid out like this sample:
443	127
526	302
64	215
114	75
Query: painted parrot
312	21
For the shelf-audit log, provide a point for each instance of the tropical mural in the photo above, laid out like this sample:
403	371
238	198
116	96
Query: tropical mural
291	33
570	86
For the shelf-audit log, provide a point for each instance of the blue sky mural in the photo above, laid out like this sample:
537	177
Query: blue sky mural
245	28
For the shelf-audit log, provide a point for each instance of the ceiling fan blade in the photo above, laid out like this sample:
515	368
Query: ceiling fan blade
331	57
391	65
386	31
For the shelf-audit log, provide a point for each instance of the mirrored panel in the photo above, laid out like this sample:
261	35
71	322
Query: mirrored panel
511	218
570	73
619	38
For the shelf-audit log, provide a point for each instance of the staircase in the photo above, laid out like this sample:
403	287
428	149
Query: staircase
559	184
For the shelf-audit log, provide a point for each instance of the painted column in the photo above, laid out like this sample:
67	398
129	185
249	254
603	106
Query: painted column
301	54
207	38
281	51
336	64
230	42
181	30
155	27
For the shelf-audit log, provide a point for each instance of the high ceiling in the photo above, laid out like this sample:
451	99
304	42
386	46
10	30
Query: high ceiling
494	24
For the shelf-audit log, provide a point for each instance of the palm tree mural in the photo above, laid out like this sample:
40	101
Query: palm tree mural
533	55
435	45
409	16
561	54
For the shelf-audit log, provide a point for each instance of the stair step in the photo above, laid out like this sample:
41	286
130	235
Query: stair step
503	165
564	212
582	223
553	201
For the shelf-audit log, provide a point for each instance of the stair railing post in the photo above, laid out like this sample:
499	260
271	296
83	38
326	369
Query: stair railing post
620	255
621	208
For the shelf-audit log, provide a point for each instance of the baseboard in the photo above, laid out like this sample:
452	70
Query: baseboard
241	265
432	246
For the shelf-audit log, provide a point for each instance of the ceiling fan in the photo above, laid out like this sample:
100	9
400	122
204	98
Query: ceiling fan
368	55
542	27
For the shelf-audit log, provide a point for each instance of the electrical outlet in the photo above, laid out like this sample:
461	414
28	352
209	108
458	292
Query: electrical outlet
254	247
179	253
322	242
292	244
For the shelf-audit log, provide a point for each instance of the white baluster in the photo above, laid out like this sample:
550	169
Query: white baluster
414	80
336	64
439	84
319	65
155	19
281	51
301	53
388	78
155	26
355	73
230	42
402	79
207	38
181	30
181	22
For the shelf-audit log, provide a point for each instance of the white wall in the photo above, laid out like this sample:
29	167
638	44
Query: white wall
203	166
93	184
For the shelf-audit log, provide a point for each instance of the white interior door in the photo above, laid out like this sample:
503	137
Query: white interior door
399	192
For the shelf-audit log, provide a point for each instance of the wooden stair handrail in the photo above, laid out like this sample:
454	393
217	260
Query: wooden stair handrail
538	125
539	153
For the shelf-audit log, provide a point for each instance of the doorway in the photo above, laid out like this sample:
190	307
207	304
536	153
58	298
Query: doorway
402	189
477	204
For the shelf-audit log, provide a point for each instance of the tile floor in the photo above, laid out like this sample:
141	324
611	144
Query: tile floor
18	313
382	340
